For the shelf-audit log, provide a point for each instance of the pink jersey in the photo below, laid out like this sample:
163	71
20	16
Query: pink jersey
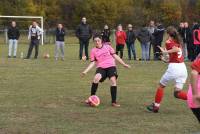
103	56
190	101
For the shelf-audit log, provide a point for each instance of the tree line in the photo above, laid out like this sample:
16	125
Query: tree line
101	12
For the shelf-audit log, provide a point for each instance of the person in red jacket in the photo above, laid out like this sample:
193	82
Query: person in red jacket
120	40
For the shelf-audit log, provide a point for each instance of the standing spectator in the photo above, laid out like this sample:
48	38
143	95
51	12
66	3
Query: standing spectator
13	36
84	34
144	38
158	36
151	29
130	42
196	47
106	34
34	36
184	32
60	41
120	40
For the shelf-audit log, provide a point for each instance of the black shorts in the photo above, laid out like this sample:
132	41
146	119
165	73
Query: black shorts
107	72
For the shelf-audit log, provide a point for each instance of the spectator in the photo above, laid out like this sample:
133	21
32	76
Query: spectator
151	29
196	47
120	40
158	36
106	34
13	36
144	38
185	34
60	41
34	36
84	34
130	42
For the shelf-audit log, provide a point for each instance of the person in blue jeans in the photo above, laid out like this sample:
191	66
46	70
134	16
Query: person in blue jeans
130	42
144	38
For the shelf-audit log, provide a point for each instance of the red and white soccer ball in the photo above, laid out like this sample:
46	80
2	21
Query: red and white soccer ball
94	101
46	56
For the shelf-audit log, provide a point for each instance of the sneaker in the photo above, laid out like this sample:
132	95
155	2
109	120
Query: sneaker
9	56
14	57
115	104
56	58
62	59
153	108
26	58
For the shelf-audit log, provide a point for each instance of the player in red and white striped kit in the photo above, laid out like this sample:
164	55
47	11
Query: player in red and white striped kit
176	71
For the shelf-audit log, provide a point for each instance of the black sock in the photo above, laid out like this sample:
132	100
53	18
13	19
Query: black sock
94	88
113	91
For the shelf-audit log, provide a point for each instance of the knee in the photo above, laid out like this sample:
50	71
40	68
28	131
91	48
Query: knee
113	82
97	78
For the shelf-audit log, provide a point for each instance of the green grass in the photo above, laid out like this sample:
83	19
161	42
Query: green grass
45	96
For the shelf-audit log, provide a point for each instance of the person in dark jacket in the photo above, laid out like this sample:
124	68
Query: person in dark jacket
144	38
13	36
158	38
196	47
84	34
151	29
60	41
105	34
130	42
185	33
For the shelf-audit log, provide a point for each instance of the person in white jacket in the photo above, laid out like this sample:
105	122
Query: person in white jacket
34	36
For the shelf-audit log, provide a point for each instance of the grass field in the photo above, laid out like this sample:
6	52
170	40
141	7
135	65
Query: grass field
45	96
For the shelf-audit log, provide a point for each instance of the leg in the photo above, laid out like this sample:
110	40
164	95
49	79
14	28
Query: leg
36	49
96	80
30	49
57	49
15	48
150	44
147	51
196	112
121	51
10	48
143	51
129	50
117	49
86	49
133	50
113	89
81	49
62	49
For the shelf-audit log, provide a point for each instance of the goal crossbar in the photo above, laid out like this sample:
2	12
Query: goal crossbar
29	17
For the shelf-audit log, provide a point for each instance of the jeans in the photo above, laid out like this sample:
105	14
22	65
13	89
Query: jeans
83	44
131	48
59	45
12	47
145	50
185	51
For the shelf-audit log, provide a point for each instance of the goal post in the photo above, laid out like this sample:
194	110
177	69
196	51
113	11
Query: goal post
30	17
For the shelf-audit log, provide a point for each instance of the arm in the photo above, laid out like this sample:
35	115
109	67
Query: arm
121	61
173	50
90	66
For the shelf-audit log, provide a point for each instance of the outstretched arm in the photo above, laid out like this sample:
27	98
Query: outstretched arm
90	66
173	50
121	61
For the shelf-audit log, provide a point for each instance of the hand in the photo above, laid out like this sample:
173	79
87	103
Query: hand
127	66
83	74
163	50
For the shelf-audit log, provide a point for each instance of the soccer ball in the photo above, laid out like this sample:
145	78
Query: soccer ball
84	58
46	56
94	101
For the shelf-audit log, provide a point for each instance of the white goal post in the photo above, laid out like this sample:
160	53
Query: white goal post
30	17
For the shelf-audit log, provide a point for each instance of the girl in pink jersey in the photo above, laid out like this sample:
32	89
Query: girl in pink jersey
104	57
175	72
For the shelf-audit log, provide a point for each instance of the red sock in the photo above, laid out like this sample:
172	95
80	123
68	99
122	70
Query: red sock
159	95
182	95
